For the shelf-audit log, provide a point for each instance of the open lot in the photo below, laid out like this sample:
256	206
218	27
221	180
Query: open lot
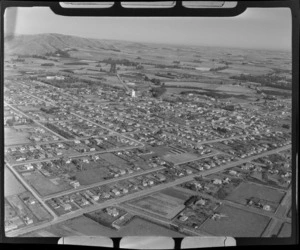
176	193
160	204
21	209
43	185
12	185
102	217
85	226
37	209
12	137
115	160
180	158
248	190
91	176
237	223
285	230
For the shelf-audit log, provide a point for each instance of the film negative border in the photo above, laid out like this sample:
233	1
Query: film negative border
179	10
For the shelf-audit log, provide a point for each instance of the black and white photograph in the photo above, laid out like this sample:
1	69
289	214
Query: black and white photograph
147	126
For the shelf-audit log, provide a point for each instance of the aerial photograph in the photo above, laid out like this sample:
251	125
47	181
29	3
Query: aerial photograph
143	126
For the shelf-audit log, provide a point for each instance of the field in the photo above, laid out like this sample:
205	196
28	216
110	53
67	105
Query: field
180	158
104	218
286	230
11	184
12	137
21	208
199	85
43	185
113	159
238	223
85	226
176	193
160	204
11	216
37	209
28	108
247	190
232	89
91	176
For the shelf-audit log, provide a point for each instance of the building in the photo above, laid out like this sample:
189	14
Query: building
133	93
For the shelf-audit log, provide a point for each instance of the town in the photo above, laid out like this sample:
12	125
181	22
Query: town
124	145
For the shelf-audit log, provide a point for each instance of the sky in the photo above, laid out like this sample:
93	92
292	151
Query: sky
256	28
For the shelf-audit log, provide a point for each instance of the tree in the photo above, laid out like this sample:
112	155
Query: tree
10	122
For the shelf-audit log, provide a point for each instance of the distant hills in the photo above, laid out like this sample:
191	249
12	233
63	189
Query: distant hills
41	44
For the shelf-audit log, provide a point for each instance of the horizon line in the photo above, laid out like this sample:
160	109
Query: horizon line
161	43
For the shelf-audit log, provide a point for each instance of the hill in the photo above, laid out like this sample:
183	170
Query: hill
45	43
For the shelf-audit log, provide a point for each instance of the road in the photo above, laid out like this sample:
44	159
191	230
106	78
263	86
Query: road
31	189
55	104
106	182
198	158
18	111
280	217
160	221
74	155
140	193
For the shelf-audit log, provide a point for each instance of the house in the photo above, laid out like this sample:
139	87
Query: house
66	206
161	177
27	220
267	207
28	167
183	217
217	181
201	202
75	184
116	191
105	195
112	211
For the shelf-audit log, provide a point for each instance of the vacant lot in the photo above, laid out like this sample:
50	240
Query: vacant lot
104	218
43	185
91	176
160	204
28	108
85	226
285	230
115	160
12	185
180	158
176	193
247	190
237	223
37	209
12	137
20	207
